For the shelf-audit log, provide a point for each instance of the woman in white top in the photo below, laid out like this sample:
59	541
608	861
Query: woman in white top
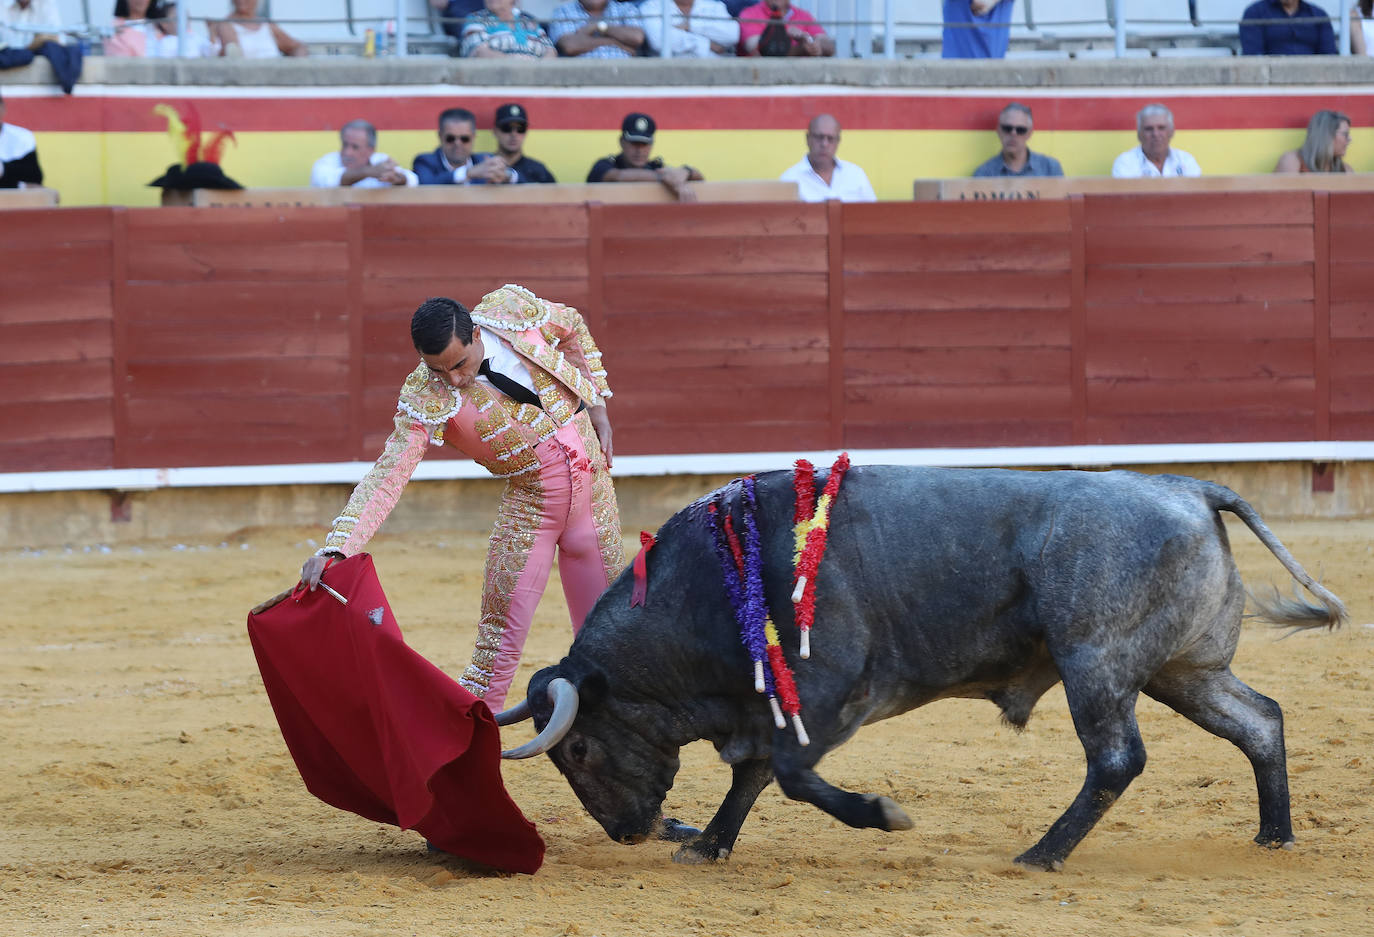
1362	28
244	34
701	28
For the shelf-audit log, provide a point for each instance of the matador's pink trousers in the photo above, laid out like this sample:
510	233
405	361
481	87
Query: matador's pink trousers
567	507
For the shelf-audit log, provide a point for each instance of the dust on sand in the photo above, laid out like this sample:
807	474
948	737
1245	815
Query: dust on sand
145	789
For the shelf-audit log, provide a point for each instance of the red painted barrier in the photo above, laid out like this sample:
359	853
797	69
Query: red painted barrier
174	337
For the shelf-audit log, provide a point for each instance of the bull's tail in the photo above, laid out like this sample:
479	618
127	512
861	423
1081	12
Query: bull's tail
1295	612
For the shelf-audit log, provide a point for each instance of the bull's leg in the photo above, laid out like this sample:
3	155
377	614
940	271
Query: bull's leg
716	841
1226	707
799	781
1111	740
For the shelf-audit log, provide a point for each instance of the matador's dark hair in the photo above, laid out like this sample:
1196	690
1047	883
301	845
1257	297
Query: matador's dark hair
437	322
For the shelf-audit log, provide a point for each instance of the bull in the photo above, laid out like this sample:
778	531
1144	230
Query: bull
937	583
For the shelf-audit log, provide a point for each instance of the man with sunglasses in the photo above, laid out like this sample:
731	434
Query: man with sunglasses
1014	129
510	127
453	162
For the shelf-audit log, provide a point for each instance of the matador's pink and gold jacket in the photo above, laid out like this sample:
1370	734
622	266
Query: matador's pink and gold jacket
495	431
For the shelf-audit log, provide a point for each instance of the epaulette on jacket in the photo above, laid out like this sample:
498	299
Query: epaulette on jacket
427	398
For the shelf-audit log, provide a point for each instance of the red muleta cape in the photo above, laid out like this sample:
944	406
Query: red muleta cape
377	730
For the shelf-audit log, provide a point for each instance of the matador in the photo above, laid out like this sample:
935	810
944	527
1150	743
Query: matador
518	386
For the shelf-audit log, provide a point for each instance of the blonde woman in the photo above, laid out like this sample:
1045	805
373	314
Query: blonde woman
1328	136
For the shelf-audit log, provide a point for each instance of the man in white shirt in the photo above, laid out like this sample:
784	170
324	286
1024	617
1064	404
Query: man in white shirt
1154	158
358	163
700	29
820	176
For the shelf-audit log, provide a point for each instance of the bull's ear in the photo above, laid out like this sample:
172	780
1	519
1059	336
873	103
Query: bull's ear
592	690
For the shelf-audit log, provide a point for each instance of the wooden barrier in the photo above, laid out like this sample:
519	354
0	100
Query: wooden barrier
559	193
164	338
1014	188
29	197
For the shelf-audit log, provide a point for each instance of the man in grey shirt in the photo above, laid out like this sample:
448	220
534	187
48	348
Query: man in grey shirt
1014	129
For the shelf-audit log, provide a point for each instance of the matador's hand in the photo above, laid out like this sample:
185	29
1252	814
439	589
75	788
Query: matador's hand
312	570
602	424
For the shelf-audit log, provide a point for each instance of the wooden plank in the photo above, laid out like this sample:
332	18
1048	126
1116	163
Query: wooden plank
1078	320
385	298
1206	322
969	252
469	196
84	342
1352	319
215	340
1202	426
894	218
651	222
740	293
1033	188
57	455
898	434
1352	282
929	366
37	420
176	452
764	364
263	306
1197	209
645	438
120	329
40	300
42	381
355	330
677	256
1203	395
1352	425
270	377
75	261
594	310
724	402
1228	244
258	226
835	339
1184	360
1352	393
200	415
1321	309
497	261
59	226
200	262
1350	244
1353	209
993	289
474	222
1147	287
953	328
974	402
715	331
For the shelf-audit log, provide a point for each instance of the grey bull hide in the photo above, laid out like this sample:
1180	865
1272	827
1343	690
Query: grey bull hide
985	584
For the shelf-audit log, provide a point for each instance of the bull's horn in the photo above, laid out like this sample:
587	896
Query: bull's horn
563	695
517	713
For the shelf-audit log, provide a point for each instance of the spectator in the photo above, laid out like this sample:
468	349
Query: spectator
1014	129
1154	128
702	29
1307	32
633	162
18	156
34	27
501	30
597	29
453	162
454	13
820	175
976	29
132	27
804	36
511	125
358	163
178	183
1328	136
243	34
1362	36
163	41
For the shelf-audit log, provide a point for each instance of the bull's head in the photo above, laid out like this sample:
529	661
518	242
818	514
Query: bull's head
611	751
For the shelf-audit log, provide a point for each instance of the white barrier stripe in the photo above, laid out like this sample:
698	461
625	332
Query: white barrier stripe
731	463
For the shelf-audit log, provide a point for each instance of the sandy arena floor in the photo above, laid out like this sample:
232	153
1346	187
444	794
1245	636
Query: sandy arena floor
145	789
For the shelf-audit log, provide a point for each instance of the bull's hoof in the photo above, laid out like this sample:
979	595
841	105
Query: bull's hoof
699	854
1275	842
1036	861
894	817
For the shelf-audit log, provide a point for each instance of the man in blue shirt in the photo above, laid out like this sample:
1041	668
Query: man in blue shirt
1014	129
1300	28
976	29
